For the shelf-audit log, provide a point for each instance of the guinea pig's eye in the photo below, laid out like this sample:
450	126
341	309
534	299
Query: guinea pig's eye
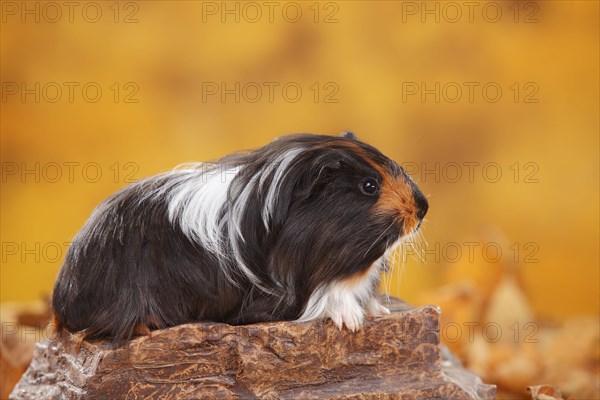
369	186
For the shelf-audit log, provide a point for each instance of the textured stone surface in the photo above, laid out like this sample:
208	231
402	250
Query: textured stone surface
395	356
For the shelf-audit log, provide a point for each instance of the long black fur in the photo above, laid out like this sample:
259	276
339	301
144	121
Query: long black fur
130	265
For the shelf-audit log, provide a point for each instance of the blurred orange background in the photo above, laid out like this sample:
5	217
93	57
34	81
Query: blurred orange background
494	110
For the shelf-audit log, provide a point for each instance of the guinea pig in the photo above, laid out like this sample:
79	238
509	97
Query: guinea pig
296	230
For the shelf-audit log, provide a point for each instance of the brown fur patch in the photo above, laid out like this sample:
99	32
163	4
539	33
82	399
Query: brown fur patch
54	324
355	148
78	339
397	197
356	278
141	330
359	277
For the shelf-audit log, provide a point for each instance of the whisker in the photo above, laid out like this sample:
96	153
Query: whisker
379	237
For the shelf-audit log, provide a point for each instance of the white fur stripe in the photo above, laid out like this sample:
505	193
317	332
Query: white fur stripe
196	198
235	232
281	166
195	201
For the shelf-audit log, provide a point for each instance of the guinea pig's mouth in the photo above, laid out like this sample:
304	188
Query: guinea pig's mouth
409	234
410	226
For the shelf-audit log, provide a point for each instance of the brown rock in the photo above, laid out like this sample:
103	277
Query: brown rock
395	356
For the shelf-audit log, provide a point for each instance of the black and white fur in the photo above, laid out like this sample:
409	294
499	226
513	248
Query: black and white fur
284	232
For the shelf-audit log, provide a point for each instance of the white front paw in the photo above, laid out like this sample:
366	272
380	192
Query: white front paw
349	314
375	308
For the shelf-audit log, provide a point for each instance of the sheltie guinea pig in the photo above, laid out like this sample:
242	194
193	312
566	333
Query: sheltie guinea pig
296	230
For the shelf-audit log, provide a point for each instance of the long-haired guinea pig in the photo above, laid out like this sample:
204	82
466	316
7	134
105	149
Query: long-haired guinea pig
296	230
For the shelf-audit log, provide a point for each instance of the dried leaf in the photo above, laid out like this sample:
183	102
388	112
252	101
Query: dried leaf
545	392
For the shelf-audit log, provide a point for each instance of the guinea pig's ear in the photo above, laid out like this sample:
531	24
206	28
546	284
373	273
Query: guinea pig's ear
301	181
348	135
324	165
320	171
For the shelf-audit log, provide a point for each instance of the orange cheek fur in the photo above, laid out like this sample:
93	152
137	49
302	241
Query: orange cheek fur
397	198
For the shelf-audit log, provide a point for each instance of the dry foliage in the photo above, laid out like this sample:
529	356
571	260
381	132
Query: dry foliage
515	349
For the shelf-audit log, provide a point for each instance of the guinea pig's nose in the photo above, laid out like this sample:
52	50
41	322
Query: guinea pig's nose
421	203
